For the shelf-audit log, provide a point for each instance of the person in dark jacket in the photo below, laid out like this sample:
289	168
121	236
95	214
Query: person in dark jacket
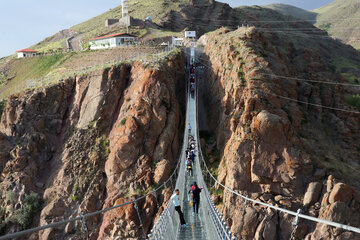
192	156
196	198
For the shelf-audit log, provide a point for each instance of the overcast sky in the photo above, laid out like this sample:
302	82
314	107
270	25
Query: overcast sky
24	22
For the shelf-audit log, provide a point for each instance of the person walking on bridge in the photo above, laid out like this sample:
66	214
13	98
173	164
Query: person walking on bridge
176	201
196	198
189	127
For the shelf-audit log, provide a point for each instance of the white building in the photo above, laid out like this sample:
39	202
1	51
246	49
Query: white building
111	41
190	34
26	53
177	42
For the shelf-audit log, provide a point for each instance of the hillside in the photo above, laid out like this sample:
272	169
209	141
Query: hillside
341	19
139	9
293	11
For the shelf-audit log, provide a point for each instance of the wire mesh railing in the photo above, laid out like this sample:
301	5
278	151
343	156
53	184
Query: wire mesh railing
215	225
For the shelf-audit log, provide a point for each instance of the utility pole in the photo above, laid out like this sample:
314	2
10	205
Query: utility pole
125	14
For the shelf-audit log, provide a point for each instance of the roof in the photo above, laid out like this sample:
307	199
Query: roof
27	50
113	35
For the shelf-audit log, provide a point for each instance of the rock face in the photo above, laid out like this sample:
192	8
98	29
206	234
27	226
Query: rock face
89	143
274	147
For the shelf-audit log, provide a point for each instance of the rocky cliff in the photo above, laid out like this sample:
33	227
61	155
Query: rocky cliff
88	143
276	143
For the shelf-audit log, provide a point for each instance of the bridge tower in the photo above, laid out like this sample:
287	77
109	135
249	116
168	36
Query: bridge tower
125	8
125	14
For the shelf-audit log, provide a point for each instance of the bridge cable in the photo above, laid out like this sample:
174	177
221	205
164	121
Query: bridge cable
318	220
313	104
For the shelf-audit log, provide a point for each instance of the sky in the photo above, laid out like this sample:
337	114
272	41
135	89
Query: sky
24	23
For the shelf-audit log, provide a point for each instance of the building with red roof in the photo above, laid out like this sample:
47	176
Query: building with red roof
111	41
26	53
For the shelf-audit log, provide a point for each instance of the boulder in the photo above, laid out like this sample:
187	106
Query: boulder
312	194
266	229
342	193
250	221
162	171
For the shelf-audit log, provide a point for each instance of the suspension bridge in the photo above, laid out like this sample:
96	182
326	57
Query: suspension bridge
209	223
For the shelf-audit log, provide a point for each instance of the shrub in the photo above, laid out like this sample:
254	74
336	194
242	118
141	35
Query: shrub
93	124
325	26
75	198
123	121
10	195
31	206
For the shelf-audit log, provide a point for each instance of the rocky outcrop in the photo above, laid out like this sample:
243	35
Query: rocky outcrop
340	204
274	147
90	143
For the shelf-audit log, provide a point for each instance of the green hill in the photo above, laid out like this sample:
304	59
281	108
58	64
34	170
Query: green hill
342	20
159	10
293	11
170	18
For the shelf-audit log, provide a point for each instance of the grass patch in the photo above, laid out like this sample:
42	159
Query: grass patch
75	193
50	46
105	146
33	68
3	79
2	106
353	100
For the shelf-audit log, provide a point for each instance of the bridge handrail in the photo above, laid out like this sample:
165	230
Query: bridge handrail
219	223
